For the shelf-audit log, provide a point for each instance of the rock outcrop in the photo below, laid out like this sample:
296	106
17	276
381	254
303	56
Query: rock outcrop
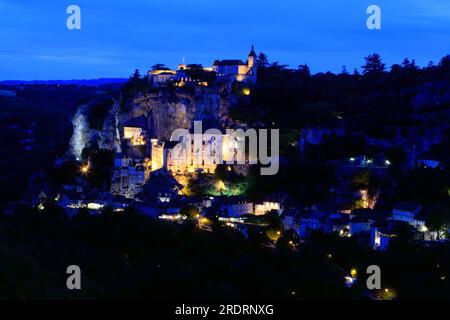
165	111
85	136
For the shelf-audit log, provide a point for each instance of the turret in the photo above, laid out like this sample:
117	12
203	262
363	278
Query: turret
252	58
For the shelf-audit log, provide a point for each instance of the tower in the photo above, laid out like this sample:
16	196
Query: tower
252	58
251	64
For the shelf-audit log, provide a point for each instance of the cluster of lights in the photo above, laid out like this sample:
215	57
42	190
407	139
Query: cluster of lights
90	206
370	161
231	225
232	220
203	220
177	217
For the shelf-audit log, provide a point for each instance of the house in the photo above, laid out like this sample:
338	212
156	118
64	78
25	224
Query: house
380	238
290	220
237	70
337	223
239	209
243	207
316	219
430	162
129	176
162	188
408	212
161	76
135	132
311	221
316	136
359	225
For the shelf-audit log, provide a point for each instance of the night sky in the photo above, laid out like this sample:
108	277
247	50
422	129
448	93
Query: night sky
119	36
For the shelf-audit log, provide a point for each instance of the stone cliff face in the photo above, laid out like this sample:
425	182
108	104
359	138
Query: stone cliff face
84	136
169	111
165	111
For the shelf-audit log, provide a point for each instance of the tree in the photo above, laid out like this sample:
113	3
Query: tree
374	65
444	64
135	84
136	75
439	220
304	70
396	156
190	211
276	66
288	241
272	218
407	64
262	60
198	73
431	65
159	66
404	231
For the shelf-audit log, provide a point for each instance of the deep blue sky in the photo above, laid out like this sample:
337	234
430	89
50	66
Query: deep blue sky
119	36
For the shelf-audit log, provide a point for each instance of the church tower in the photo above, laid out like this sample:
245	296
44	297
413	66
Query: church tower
251	64
252	58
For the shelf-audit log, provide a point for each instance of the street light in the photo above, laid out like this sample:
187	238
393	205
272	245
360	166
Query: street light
85	169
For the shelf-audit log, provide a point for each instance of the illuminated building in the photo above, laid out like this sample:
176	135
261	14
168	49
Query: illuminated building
225	70
266	206
239	209
182	157
157	155
157	77
237	70
409	212
134	131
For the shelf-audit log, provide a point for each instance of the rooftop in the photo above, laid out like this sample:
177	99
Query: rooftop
224	63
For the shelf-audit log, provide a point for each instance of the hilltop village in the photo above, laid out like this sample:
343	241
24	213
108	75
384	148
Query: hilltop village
148	174
364	158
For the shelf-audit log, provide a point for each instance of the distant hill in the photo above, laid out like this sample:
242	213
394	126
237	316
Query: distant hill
86	82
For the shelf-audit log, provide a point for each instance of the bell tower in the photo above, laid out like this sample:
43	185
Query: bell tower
252	58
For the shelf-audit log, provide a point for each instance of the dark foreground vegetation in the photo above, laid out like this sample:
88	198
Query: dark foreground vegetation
128	255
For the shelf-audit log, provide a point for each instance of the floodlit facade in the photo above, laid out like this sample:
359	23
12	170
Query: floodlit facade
134	131
202	152
226	70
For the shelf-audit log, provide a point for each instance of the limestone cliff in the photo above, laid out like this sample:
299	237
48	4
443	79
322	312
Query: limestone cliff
86	135
167	111
164	110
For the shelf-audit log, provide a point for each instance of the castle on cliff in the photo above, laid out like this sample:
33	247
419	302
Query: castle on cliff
223	70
